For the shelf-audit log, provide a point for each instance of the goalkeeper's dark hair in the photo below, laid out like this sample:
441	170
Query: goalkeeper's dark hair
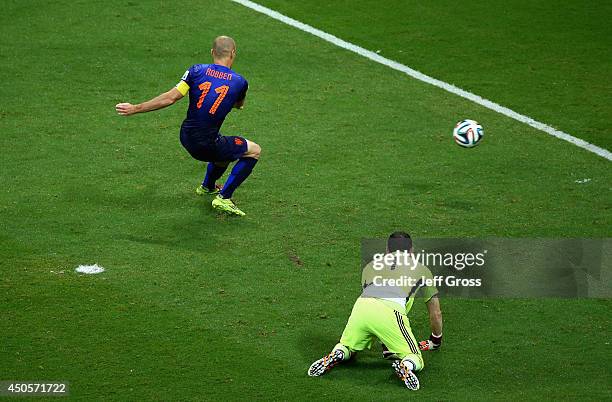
399	241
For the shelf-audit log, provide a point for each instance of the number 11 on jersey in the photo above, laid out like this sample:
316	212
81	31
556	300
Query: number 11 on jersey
205	88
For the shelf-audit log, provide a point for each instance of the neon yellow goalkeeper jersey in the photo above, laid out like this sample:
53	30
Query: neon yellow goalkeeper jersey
398	281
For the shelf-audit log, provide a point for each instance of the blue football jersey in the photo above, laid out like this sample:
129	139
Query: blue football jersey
213	91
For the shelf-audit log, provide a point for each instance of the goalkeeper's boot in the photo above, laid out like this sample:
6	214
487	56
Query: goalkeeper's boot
226	205
200	190
406	375
326	363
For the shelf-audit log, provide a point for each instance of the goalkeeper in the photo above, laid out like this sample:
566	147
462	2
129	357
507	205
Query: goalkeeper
390	285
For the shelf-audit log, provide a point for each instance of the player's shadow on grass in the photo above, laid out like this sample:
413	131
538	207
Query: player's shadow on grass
150	199
189	234
175	220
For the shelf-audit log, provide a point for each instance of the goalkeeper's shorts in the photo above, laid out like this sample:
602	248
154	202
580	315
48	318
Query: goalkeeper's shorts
373	319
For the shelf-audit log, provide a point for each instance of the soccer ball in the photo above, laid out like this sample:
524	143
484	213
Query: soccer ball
468	133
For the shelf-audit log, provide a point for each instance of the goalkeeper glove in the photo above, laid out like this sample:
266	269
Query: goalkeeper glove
433	343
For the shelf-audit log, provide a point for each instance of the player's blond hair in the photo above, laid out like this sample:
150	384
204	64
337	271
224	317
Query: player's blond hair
223	47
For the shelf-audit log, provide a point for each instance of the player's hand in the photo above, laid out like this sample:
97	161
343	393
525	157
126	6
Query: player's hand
125	109
433	343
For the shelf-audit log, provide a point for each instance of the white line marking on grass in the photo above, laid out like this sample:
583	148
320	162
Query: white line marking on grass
604	153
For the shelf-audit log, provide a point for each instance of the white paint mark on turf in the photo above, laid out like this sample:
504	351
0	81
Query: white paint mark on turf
425	78
89	269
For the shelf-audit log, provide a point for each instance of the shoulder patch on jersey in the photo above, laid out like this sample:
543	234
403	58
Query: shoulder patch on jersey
184	77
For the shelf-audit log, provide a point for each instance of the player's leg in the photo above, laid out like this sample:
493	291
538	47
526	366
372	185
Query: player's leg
247	153
242	169
338	354
355	337
204	153
393	330
214	171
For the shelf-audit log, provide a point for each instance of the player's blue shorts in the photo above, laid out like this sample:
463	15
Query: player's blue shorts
218	148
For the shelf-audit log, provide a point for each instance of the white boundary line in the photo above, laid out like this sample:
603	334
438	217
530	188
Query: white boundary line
604	153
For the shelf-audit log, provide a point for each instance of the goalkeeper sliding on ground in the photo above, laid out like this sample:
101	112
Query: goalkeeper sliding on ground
390	285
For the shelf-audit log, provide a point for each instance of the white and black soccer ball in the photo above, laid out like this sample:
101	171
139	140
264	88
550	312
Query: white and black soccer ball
468	133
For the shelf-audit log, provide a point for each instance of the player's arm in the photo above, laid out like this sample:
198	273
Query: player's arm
435	322
367	275
159	102
240	102
435	315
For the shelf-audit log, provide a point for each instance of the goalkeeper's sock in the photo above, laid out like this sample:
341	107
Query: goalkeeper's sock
345	351
240	172
409	364
213	173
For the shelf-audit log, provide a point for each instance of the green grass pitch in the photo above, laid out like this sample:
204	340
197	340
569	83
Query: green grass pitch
194	306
